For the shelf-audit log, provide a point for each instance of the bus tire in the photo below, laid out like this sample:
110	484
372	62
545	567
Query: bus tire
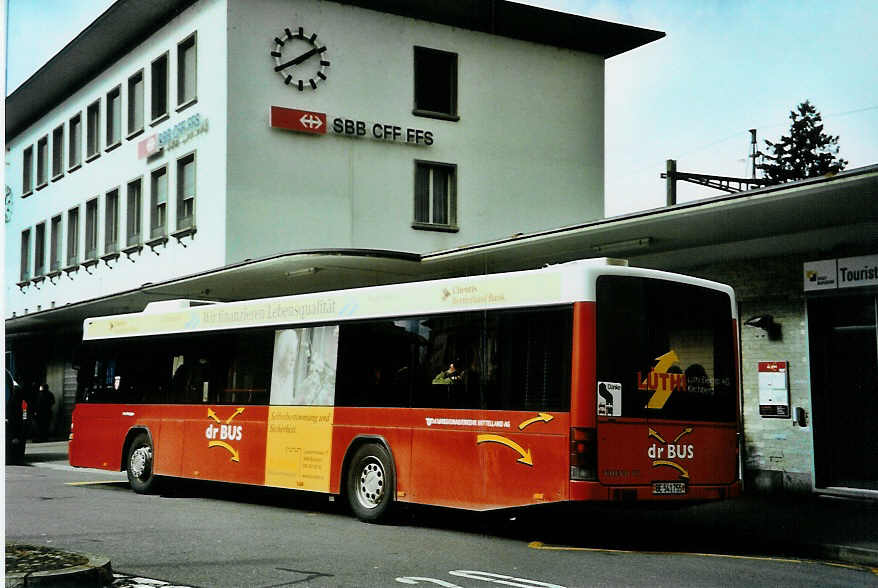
370	482
139	464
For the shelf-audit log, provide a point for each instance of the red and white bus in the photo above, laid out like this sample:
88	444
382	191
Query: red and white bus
584	381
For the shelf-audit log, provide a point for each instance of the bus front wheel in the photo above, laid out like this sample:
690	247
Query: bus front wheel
370	482
139	465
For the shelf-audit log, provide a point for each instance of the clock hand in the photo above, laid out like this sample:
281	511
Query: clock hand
300	58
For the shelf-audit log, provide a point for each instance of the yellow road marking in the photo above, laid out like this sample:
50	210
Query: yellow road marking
542	546
93	483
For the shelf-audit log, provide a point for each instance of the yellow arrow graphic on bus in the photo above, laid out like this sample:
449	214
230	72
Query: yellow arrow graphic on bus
227	447
661	395
541	416
236	413
212	415
653	433
685	432
526	457
676	466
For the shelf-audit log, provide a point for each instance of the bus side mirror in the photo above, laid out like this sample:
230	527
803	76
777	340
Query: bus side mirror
801	417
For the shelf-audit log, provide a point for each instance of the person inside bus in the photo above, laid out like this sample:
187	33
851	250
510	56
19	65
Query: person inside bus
449	376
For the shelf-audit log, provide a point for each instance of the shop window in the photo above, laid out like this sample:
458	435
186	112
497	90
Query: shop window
186	71
114	117
186	192
134	212
40	250
42	162
158	203
74	151
27	171
93	130
435	196
91	229
55	246
24	274
58	152
435	83
73	236
135	103
159	88
111	222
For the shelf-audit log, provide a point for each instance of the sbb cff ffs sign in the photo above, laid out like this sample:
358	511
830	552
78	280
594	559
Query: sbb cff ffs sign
306	121
302	121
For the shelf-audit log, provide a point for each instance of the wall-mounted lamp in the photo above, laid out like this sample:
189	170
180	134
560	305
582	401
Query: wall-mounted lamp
628	245
767	324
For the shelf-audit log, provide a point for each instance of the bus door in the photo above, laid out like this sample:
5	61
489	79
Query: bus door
666	398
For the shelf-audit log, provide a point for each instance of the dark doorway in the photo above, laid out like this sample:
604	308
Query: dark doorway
844	387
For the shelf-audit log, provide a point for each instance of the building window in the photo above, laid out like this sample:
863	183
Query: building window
25	255
135	103
42	162
186	192
27	171
114	117
55	253
435	195
91	229
40	250
186	74
435	83
158	222
111	222
93	130
58	152
74	151
73	236
134	213
159	93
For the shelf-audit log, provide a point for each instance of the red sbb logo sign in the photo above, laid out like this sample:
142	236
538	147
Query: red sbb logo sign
303	121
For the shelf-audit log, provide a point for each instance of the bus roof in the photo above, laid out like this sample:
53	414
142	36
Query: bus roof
556	284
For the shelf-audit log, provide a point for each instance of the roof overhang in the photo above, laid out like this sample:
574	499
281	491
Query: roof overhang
127	23
822	216
826	214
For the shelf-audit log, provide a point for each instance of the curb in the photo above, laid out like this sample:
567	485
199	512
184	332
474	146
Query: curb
97	573
844	553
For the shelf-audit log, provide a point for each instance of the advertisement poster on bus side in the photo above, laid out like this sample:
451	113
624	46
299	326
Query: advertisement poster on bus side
299	447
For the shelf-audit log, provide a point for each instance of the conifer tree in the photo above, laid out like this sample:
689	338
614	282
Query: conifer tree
806	153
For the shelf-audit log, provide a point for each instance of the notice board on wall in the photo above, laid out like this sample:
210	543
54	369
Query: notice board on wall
774	389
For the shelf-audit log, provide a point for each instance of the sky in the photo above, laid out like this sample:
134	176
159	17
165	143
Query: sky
724	67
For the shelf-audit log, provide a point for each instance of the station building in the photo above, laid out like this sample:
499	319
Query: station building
223	150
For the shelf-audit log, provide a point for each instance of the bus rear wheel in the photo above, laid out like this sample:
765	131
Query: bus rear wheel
139	465
370	482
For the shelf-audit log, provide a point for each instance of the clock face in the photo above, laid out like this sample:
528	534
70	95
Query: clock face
300	59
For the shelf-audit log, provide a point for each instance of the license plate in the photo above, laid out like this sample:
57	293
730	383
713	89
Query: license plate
668	488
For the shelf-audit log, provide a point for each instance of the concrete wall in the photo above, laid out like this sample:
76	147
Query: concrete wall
528	145
778	453
116	167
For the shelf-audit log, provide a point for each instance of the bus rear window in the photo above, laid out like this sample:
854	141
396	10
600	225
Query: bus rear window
664	351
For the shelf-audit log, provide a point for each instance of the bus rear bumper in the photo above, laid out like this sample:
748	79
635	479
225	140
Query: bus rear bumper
595	491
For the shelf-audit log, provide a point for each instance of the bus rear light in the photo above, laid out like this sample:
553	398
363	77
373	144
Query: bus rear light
583	454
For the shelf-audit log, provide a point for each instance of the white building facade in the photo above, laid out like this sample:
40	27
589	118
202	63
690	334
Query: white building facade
176	137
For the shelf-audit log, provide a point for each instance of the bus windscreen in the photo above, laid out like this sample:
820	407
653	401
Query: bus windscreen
665	351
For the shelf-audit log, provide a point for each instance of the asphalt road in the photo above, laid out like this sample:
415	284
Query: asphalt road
206	535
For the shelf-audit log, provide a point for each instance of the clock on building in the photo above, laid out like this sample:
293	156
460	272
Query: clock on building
299	59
